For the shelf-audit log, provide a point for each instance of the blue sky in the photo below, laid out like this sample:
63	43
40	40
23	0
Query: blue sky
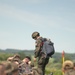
54	19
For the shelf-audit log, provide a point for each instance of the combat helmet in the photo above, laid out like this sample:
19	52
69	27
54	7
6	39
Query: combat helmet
35	34
68	64
16	56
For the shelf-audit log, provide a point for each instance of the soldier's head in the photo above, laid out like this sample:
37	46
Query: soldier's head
16	60
35	35
16	56
26	59
5	67
9	68
68	65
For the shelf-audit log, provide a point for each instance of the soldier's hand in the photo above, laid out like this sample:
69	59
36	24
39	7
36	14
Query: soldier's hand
34	59
29	62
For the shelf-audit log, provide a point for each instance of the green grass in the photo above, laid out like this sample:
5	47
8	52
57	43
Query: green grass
55	71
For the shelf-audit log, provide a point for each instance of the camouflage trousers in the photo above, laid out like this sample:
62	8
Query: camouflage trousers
42	62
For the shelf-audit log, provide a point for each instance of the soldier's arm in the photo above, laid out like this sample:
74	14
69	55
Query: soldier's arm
37	48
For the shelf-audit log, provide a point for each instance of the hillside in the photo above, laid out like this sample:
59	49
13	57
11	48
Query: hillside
57	55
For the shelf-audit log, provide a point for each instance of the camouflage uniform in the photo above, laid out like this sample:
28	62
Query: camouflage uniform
25	69
10	68
68	67
42	60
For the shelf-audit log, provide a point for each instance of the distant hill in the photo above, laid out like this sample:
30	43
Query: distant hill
29	52
57	55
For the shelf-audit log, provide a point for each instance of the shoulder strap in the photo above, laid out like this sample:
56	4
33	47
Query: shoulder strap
43	39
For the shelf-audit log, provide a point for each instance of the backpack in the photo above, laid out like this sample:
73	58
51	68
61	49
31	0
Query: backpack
47	47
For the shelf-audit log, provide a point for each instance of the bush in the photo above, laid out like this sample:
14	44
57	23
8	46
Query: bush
54	70
4	56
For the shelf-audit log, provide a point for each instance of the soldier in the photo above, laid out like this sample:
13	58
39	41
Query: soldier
26	66
42	60
9	68
68	68
2	69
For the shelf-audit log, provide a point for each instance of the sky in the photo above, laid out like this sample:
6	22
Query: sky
54	19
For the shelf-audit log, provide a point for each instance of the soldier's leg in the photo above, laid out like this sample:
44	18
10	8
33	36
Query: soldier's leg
42	63
45	62
37	71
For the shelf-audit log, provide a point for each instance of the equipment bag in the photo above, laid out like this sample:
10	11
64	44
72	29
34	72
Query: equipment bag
47	47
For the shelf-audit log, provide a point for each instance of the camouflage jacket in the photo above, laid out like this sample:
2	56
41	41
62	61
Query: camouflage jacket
38	47
25	68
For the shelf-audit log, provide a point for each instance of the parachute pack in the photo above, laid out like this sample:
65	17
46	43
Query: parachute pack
48	47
